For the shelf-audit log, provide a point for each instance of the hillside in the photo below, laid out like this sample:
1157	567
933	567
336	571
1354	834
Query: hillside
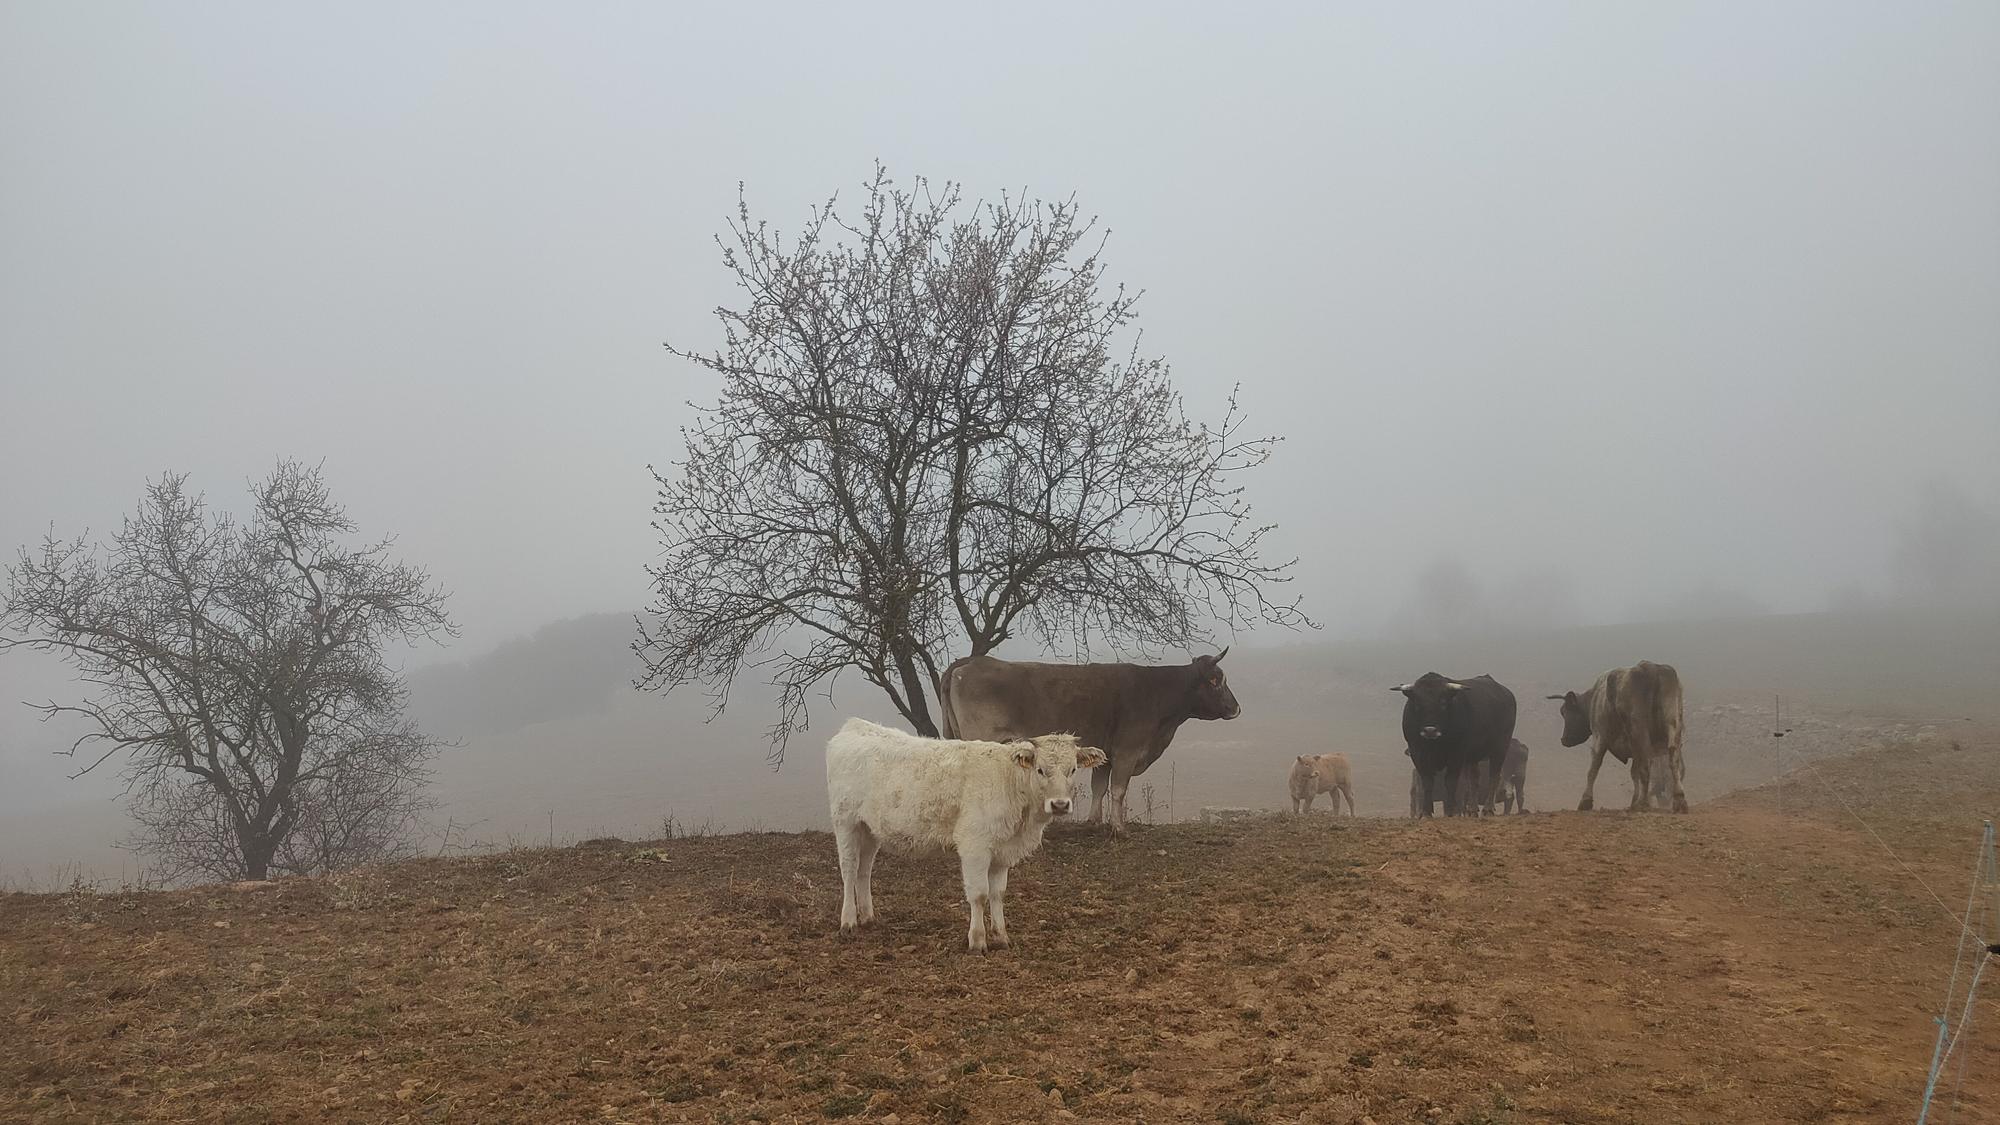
581	754
553	745
1760	960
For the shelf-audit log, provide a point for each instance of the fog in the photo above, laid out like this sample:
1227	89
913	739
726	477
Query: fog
1573	313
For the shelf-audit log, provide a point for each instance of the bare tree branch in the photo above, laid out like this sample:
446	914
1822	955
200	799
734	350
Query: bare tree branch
929	440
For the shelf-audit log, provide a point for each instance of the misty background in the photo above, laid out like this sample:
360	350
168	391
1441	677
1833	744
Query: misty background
1571	315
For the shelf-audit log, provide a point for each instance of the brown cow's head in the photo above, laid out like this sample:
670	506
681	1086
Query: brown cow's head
1212	698
1576	718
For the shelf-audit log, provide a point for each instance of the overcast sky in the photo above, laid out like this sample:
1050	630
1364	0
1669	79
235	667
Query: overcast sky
1619	301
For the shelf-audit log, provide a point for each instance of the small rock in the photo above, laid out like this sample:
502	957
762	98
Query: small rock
222	925
1131	976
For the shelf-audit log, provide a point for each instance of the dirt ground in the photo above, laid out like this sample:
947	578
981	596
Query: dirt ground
1761	960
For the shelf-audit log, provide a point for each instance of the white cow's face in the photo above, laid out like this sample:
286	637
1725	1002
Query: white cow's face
1052	761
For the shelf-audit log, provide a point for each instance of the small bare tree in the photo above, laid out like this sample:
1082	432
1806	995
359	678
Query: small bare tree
1948	549
239	669
929	441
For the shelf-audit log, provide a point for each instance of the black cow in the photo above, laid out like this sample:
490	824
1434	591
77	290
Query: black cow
1451	725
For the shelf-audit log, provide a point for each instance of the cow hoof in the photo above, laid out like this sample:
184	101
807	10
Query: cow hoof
1585	805
996	945
1680	804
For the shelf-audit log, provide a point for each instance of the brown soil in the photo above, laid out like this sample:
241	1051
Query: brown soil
1763	959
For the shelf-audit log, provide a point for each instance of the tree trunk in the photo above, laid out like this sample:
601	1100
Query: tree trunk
258	849
919	711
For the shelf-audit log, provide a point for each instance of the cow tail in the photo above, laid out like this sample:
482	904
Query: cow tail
947	722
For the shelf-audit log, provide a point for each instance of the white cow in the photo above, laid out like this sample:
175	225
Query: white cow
990	801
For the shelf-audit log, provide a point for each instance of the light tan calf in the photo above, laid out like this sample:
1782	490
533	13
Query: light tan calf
1322	773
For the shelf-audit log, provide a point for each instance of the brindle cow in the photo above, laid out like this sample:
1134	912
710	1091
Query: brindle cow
1130	711
1635	715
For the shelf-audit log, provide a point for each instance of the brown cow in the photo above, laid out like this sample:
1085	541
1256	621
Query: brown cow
1635	714
1313	774
1130	711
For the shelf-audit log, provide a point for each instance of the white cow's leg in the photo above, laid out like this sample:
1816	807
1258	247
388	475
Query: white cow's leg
1642	781
1348	792
864	892
1590	782
996	884
1100	780
847	843
976	866
1306	805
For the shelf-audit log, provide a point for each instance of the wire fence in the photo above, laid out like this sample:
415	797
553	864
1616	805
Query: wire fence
1977	929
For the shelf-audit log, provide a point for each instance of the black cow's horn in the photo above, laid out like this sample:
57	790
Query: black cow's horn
1453	687
1400	687
1223	653
1552	697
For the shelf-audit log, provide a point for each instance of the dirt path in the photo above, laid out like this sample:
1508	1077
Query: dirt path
1760	960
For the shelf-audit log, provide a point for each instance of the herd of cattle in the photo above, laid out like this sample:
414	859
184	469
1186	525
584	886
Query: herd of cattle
1016	733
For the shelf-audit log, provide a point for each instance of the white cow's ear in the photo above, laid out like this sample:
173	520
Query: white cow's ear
1090	757
1025	757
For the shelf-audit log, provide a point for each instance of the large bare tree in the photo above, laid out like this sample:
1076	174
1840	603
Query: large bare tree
935	433
238	670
